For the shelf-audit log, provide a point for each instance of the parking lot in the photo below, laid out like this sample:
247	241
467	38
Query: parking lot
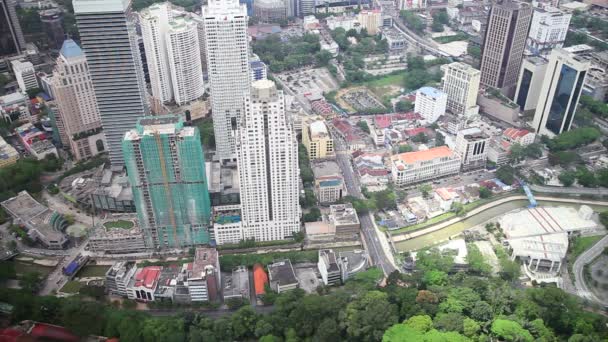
314	81
358	100
307	279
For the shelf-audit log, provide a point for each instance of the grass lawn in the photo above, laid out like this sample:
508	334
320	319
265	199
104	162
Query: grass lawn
389	80
122	224
22	267
581	244
93	271
71	287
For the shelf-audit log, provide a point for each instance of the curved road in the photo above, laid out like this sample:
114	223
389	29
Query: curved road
579	266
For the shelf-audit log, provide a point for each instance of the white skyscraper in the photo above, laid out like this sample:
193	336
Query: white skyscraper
548	30
461	85
268	166
173	54
109	39
25	75
227	48
430	103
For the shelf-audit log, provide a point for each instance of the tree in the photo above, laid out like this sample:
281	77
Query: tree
434	259
474	51
313	215
458	208
421	323
482	311
83	318
604	218
425	190
405	148
510	331
450	321
470	327
435	277
323	57
476	260
309	198
585	177
567	178
362	124
484	192
31	281
404	106
574	138
367	318
506	174
563	158
412	21
97	292
439	140
244	322
207	133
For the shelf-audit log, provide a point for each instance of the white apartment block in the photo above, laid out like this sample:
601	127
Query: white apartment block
268	166
371	20
227	48
173	54
25	75
185	60
472	147
547	31
460	82
78	119
430	103
414	167
154	22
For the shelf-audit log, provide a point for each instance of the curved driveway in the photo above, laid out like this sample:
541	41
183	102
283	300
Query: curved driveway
579	266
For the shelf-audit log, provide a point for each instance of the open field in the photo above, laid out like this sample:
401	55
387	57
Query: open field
93	271
71	287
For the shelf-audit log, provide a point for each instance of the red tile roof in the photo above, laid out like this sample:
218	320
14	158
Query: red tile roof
415	131
148	277
383	121
430	154
515	133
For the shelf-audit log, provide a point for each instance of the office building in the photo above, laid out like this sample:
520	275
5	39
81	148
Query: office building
258	70
317	140
204	279
119	276
329	183
108	37
371	20
173	54
530	82
52	23
547	31
307	7
25	75
430	103
344	219
268	166
329	267
167	175
11	37
560	93
227	48
270	11
472	147
504	44
414	167
460	83
78	120
282	276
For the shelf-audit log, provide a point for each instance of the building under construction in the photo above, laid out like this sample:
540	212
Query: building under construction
166	169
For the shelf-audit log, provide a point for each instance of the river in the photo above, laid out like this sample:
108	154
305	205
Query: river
484	216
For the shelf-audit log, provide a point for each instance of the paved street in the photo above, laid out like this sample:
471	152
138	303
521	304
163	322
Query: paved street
370	234
579	265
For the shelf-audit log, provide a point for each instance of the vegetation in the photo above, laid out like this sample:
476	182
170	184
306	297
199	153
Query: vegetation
309	199
305	170
405	148
228	262
474	51
120	224
313	215
477	262
404	106
71	286
506	174
413	21
519	152
85	165
448	39
580	244
362	124
576	38
573	139
190	5
595	107
295	53
251	243
484	192
207	133
25	175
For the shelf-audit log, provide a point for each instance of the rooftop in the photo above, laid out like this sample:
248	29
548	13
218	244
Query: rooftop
319	228
343	214
148	277
282	272
515	133
430	154
430	91
318	129
547	246
329	258
204	259
325	167
237	284
70	49
544	220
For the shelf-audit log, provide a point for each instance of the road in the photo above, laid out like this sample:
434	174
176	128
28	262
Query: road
579	266
370	233
569	190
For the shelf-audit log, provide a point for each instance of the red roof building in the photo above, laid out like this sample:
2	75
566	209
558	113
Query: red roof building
260	279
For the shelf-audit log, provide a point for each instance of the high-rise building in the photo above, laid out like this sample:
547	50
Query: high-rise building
173	54
530	82
504	44
548	30
107	34
560	93
25	75
270	11
52	22
430	103
77	118
472	147
166	169
268	166
11	36
371	20
227	48
317	140
461	84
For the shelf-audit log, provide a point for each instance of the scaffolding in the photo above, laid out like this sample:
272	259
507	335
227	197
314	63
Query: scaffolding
166	168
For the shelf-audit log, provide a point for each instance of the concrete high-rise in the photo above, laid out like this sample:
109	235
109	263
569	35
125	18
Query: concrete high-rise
460	82
547	31
164	161
107	34
25	75
530	82
77	117
268	166
504	44
430	103
11	36
173	54
227	48
560	93
52	22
